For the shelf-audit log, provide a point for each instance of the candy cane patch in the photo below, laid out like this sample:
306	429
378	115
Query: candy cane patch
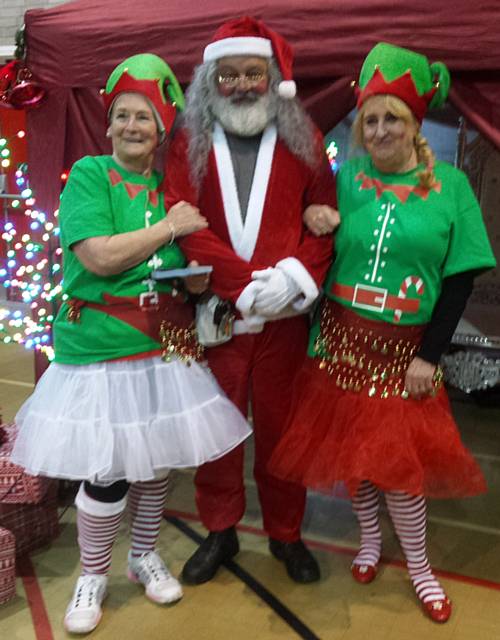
418	283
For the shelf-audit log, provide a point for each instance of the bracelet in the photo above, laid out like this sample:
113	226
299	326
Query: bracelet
437	378
172	232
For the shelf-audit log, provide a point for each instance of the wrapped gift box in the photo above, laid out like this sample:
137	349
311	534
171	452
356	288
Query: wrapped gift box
7	565
33	525
16	486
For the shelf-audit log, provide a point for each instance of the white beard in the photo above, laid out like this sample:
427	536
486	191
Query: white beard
244	119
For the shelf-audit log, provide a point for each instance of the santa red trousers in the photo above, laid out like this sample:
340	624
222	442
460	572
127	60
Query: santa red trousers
258	369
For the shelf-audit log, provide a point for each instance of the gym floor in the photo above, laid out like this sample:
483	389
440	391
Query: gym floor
253	597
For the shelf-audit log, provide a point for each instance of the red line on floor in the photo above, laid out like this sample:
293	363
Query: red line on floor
41	622
347	551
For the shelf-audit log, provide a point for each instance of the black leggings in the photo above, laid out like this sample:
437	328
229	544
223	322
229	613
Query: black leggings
111	493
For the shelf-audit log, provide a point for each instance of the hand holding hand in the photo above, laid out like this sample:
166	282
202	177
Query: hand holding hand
321	219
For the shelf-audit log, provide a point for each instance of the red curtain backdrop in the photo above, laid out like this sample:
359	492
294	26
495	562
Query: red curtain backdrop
73	47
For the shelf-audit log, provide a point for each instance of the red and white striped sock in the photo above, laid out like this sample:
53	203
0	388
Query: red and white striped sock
365	506
409	517
146	505
97	524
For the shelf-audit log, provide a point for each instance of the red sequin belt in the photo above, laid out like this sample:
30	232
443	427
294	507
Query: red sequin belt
161	316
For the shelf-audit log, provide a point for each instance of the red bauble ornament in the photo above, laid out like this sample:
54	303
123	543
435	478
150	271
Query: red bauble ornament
17	88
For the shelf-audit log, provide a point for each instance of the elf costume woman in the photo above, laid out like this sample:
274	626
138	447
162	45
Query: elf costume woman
128	396
369	408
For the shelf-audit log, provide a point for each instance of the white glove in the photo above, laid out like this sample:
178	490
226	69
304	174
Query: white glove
246	300
245	305
278	291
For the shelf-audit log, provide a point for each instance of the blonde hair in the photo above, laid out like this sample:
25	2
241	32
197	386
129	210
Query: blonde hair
425	155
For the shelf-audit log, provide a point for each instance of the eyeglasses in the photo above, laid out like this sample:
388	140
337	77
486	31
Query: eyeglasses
232	80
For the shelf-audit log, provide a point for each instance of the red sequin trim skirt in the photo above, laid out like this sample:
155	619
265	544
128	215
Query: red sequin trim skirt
350	423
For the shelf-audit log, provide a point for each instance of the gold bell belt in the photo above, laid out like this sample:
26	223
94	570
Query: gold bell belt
160	316
365	355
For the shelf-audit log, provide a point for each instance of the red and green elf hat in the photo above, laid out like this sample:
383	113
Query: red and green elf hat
409	76
149	75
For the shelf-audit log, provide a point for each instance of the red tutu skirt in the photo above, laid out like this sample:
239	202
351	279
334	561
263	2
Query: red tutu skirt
351	419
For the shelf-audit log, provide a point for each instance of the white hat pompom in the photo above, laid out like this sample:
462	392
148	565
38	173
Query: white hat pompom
287	89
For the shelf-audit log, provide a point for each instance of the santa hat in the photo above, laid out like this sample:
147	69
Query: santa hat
149	75
408	75
250	37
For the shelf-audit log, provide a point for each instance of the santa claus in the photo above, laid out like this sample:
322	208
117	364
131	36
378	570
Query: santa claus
252	161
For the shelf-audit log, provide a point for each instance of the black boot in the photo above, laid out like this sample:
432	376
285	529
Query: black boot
300	563
217	547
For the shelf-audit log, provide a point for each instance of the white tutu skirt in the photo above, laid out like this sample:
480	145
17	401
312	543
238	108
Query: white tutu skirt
129	419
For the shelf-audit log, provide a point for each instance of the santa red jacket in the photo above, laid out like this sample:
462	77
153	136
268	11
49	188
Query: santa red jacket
273	232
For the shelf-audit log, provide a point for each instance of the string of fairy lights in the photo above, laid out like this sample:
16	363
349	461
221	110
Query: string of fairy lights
332	151
31	272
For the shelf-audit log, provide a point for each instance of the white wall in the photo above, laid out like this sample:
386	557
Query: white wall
12	16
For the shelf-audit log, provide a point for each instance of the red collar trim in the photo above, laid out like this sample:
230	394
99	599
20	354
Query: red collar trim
401	191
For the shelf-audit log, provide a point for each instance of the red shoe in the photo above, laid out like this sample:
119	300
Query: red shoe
363	573
438	610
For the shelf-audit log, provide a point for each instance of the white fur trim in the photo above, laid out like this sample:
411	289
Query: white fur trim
287	89
241	327
258	192
240	46
296	270
96	508
227	183
244	237
255	323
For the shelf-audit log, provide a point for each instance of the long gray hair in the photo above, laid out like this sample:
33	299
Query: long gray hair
295	127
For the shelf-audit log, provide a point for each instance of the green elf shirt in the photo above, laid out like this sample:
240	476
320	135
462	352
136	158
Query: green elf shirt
397	241
102	199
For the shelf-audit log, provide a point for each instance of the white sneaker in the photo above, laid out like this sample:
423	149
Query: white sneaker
84	611
161	586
